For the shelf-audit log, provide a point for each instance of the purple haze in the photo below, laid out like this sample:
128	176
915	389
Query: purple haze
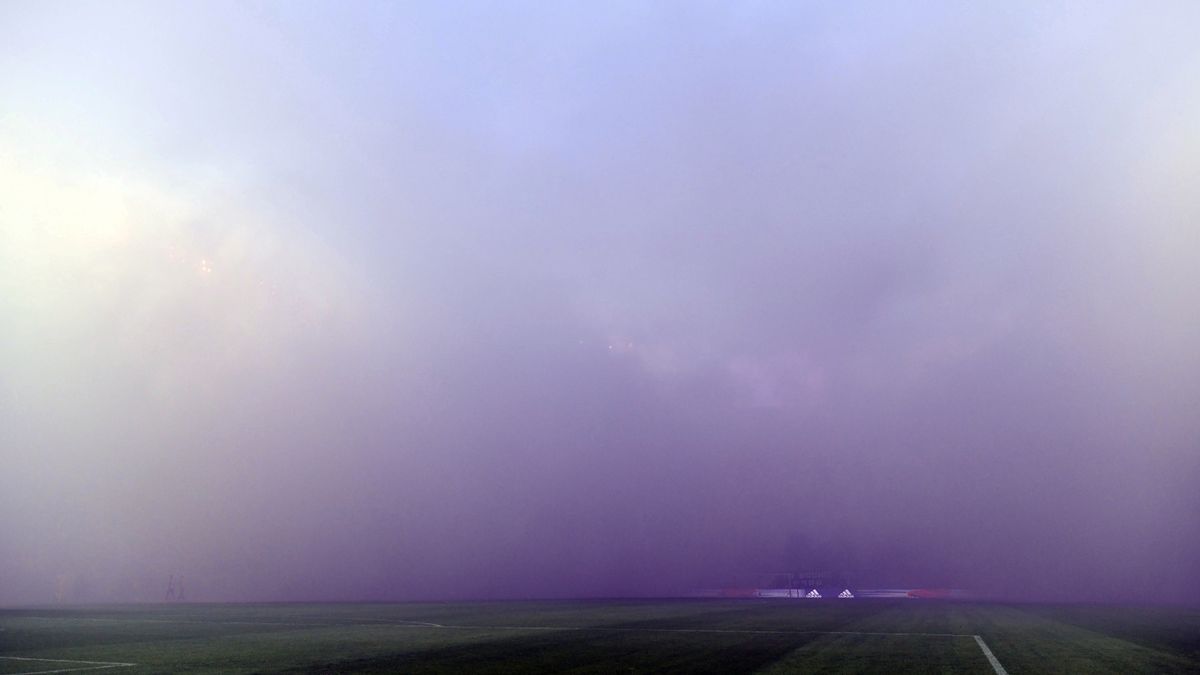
322	301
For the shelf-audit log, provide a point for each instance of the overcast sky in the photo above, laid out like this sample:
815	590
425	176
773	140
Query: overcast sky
462	300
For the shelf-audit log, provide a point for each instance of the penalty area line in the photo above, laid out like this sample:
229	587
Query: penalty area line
363	621
618	629
990	656
995	663
88	665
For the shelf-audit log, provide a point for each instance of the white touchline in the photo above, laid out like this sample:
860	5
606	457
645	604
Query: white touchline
64	670
990	657
215	621
89	665
364	621
617	629
979	640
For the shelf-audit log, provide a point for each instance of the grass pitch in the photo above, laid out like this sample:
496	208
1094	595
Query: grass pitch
699	636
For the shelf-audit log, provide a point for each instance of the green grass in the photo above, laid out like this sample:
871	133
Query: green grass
702	636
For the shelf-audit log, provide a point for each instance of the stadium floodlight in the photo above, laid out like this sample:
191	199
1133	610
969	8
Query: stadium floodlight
813	594
846	594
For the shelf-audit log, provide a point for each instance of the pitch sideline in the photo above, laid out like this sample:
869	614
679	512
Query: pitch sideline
992	660
92	665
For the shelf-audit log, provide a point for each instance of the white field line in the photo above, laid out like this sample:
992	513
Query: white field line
236	623
91	665
65	670
991	657
995	663
367	621
616	629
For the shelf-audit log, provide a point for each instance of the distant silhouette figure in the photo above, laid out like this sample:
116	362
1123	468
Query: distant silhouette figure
170	589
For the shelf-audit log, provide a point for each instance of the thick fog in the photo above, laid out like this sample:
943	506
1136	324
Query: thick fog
442	300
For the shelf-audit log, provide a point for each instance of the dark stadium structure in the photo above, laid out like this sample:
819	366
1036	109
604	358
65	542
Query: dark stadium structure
804	584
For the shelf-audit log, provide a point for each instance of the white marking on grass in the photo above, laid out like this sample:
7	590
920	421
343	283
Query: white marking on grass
990	656
214	621
364	621
64	670
618	629
995	663
90	665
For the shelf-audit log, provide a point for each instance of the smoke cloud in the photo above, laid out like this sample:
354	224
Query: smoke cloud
379	302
